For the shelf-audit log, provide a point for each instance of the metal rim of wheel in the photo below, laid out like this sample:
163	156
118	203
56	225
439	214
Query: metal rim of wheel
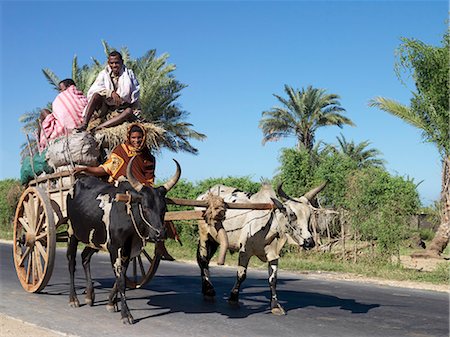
34	239
143	268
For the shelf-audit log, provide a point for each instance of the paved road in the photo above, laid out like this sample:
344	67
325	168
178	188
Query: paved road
172	305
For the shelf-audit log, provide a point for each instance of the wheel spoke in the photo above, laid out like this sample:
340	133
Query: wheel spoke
41	249
24	224
39	269
41	220
141	265
41	236
24	256
31	206
28	270
134	270
34	268
147	255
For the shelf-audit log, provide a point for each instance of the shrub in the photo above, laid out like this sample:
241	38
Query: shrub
380	207
10	191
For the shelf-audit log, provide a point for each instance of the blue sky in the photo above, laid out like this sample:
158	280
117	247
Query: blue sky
233	56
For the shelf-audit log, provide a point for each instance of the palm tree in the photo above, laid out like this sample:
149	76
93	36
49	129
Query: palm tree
429	112
303	112
359	153
159	93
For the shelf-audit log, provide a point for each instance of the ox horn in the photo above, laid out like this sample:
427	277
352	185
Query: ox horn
282	194
312	193
131	179
172	181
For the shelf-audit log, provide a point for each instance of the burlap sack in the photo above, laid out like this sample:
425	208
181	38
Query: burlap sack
78	148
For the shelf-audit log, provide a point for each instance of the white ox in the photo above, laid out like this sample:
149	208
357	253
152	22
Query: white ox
262	233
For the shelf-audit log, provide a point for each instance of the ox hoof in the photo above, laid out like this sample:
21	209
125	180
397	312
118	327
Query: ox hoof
74	304
128	320
89	301
233	303
209	298
278	311
112	308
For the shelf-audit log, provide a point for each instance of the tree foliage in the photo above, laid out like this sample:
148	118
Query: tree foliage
301	114
380	207
160	91
360	153
428	66
429	111
10	190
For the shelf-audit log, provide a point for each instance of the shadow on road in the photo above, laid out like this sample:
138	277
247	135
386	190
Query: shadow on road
171	294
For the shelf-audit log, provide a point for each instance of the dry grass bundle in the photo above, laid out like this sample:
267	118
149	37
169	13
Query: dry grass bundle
113	136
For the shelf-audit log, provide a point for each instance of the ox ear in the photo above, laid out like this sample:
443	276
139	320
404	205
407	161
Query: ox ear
279	205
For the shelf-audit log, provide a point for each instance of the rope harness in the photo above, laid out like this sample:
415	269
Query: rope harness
127	198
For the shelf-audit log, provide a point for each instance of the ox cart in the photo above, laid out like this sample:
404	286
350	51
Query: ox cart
40	222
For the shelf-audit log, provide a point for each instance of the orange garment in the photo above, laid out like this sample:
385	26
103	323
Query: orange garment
143	166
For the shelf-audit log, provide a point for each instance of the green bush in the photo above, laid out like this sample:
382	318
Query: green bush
335	168
295	171
10	191
426	234
380	207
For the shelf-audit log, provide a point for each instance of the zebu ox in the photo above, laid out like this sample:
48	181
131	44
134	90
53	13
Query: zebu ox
100	221
262	233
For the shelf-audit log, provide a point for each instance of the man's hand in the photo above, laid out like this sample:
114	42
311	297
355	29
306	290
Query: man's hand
78	169
117	99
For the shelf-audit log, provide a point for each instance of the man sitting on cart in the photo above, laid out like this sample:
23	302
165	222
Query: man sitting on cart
143	169
66	114
113	97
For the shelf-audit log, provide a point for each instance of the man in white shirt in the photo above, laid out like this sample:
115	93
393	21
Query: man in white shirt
114	95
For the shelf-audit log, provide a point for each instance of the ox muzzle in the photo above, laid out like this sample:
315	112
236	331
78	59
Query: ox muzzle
309	243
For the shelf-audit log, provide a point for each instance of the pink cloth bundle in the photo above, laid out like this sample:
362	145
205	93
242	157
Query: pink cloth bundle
67	114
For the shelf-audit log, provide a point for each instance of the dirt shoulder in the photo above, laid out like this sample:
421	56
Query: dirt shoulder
391	283
12	327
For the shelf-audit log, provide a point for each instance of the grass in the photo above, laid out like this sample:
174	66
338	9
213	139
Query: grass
295	260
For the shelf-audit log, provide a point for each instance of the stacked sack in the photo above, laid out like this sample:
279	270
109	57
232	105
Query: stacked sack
63	153
78	148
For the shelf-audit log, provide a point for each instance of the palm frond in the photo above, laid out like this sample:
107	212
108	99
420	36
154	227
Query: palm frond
51	78
399	110
303	112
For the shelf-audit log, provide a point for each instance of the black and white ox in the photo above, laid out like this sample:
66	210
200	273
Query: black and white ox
100	220
260	233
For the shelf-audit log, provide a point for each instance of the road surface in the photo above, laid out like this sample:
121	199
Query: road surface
172	305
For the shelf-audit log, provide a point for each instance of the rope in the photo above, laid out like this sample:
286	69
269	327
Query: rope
130	213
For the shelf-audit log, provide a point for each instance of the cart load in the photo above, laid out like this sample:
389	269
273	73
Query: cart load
41	214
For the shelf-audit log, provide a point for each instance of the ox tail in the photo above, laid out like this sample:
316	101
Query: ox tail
312	193
222	237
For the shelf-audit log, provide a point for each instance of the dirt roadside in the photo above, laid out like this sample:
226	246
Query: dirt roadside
11	327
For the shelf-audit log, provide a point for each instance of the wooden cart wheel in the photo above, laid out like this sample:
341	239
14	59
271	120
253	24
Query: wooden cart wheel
143	267
34	239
